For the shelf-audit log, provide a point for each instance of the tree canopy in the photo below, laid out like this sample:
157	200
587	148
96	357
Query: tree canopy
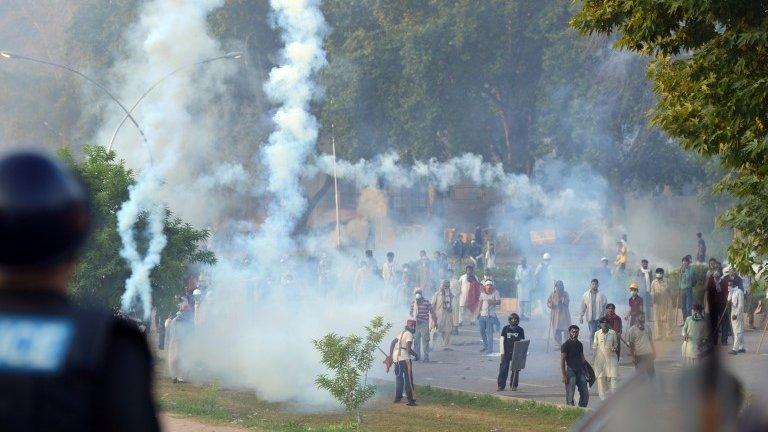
101	273
709	67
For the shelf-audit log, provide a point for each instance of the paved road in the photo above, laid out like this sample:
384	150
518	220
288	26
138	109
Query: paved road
465	368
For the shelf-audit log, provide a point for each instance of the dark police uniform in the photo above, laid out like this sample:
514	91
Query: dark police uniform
62	367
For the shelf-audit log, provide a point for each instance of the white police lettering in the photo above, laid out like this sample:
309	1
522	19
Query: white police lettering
34	344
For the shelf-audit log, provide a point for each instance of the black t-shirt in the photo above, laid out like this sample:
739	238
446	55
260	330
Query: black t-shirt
511	335
574	351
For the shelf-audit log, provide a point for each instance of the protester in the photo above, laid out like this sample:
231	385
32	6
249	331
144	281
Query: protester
663	308
686	286
405	288
490	257
606	363
487	319
695	337
716	298
470	294
603	274
402	354
622	251
592	305
641	347
643	279
615	324
457	249
542	279
179	332
479	236
510	334
388	269
63	367
523	281
635	304
476	253
436	271
362	279
424	275
371	263
442	302
712	266
736	301
560	314
456	291
701	248
572	363
389	276
424	314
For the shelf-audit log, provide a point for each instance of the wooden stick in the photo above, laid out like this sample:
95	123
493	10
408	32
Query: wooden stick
549	332
409	371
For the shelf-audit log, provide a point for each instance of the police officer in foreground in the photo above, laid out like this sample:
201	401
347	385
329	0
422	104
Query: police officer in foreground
62	367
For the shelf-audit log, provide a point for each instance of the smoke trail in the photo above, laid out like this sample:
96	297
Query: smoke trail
518	190
294	137
142	199
169	34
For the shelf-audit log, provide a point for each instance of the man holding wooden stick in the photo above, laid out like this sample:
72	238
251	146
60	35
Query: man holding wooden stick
401	351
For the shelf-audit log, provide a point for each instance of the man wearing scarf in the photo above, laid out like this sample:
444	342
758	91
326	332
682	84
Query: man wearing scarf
443	304
560	315
470	293
641	347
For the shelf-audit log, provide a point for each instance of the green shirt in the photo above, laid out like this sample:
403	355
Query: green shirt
686	277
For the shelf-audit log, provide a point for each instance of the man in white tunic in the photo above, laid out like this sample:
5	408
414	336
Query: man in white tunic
523	281
606	363
442	302
736	300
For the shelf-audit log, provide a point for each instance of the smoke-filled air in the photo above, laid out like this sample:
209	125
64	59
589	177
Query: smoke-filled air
334	205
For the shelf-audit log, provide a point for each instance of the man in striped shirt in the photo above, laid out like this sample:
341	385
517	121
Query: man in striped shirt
423	312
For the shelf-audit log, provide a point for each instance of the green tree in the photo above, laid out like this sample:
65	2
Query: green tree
350	358
101	274
709	70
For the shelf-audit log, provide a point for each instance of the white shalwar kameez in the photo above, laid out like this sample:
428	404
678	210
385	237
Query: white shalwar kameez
606	363
736	297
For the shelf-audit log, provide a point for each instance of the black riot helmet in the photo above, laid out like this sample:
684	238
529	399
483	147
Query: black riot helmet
44	211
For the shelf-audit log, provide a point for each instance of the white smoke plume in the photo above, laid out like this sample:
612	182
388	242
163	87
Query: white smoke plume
518	190
169	34
293	139
142	200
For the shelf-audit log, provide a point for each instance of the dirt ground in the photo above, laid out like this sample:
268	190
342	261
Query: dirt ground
173	423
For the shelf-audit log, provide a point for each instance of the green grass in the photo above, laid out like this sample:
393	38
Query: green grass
438	410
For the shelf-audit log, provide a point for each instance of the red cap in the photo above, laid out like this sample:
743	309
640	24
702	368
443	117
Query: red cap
410	323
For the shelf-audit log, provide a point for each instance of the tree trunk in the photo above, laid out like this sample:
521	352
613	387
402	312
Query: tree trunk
301	224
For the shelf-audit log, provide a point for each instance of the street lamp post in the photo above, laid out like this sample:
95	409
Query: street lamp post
12	56
232	55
